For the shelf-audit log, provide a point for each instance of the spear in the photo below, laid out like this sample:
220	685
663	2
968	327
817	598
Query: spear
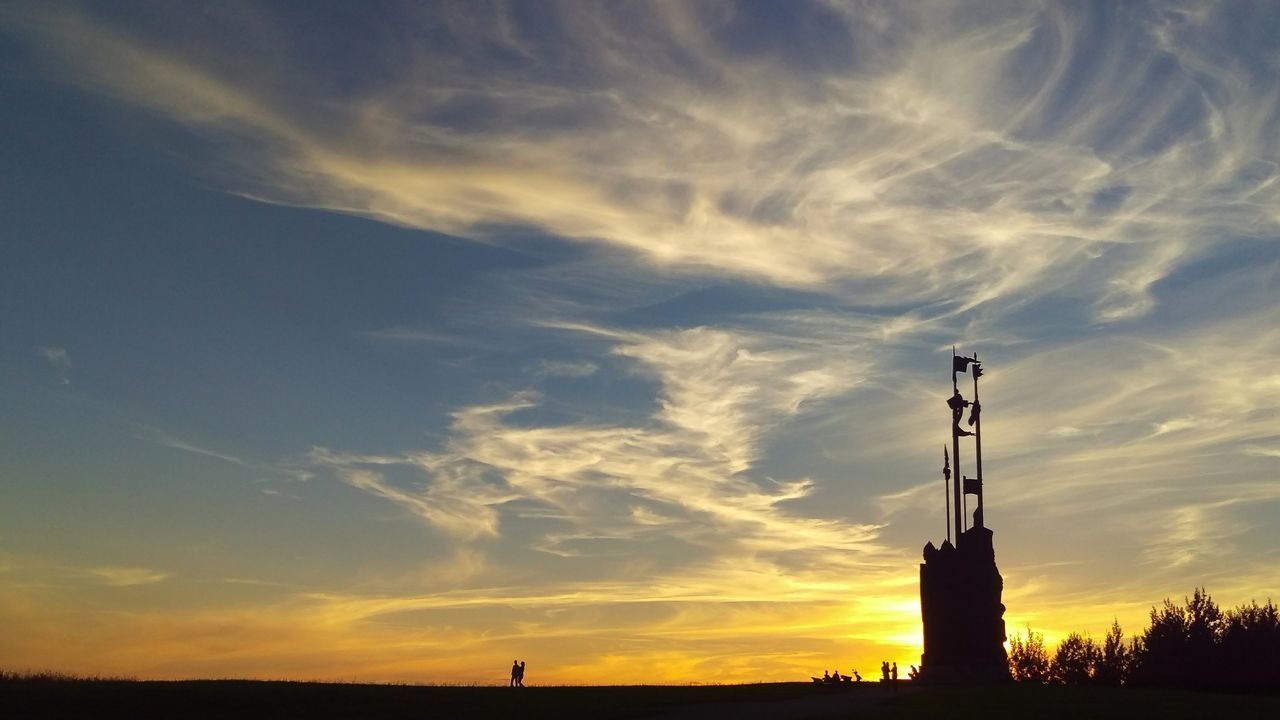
946	486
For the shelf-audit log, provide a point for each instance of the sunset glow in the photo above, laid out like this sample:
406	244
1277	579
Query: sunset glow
393	342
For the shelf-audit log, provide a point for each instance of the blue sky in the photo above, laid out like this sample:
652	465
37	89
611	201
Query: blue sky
393	341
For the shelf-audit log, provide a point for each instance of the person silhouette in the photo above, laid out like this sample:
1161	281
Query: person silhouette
515	673
884	671
957	403
856	676
520	675
894	675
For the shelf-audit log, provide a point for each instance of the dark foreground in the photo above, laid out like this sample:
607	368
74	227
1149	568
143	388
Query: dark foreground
248	699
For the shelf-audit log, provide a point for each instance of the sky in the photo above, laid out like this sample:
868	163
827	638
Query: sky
395	341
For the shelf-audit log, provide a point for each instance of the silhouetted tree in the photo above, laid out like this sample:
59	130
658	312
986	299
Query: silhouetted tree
1163	646
1028	660
1115	662
1195	644
1179	648
1075	661
1204	627
1249	646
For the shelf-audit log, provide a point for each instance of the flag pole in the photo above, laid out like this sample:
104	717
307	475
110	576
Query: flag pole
955	457
978	520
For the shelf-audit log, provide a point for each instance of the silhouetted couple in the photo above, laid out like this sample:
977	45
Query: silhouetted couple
889	674
517	673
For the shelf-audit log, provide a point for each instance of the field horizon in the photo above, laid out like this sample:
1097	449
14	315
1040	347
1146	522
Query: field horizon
219	698
359	356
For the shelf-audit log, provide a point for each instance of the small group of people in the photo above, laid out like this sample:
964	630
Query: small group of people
835	678
517	673
889	672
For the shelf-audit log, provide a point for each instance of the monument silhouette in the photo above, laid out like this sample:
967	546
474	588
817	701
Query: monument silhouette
960	586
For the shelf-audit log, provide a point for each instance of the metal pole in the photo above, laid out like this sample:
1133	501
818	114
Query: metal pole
955	458
946	491
978	520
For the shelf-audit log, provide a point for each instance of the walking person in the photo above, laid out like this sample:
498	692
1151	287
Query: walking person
515	673
520	675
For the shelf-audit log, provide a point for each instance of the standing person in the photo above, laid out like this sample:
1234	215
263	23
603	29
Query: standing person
515	673
894	674
884	671
520	675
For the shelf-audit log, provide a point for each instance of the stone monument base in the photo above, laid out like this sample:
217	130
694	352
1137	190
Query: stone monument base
964	634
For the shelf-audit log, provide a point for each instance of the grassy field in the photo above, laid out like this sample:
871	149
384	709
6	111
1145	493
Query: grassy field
251	699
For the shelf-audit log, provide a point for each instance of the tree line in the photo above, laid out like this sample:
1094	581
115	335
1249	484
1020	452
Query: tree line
1195	644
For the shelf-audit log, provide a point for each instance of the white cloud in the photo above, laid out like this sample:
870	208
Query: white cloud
685	475
567	368
127	576
268	471
956	158
59	359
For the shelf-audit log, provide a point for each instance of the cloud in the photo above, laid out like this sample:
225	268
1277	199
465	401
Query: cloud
948	156
60	360
567	368
127	576
685	475
1066	444
272	471
680	632
177	444
426	336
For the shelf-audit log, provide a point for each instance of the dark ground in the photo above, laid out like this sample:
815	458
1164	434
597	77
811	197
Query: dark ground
251	699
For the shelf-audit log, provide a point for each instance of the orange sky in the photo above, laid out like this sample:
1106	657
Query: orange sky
394	343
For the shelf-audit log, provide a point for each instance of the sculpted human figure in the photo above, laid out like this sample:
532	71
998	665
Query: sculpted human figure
957	403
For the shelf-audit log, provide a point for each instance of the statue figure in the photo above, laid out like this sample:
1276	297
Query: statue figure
960	585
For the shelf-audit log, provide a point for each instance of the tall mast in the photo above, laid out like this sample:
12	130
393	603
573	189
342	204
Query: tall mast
955	459
978	520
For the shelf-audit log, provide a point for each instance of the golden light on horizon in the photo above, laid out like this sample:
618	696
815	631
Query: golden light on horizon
396	345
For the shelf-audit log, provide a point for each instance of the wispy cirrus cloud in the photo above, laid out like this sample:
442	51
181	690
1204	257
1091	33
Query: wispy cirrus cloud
127	576
265	471
936	153
683	474
567	368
